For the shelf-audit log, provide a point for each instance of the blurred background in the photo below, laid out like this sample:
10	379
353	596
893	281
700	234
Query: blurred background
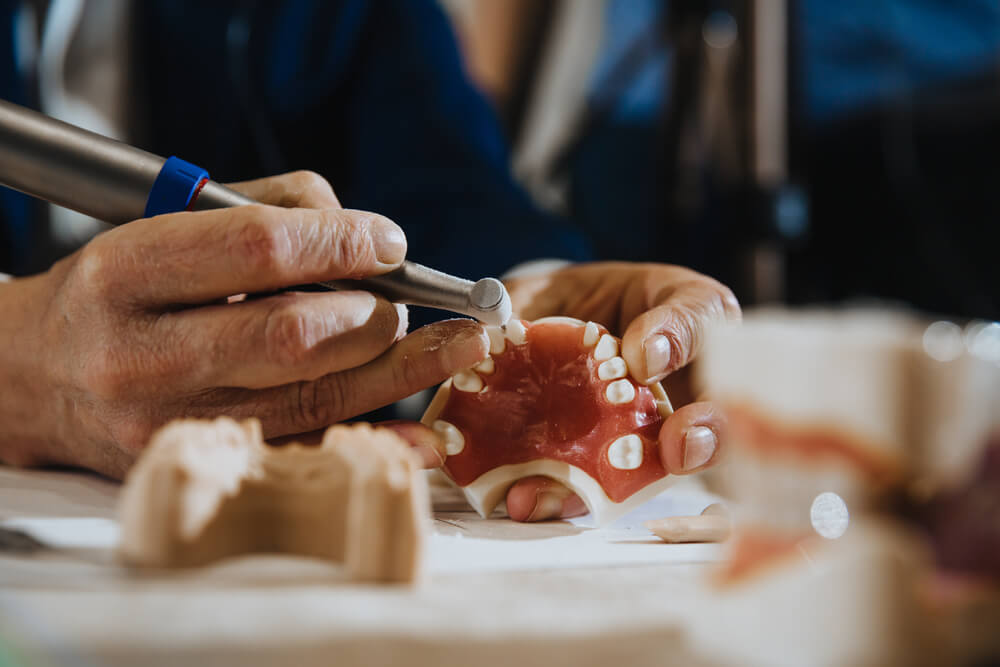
798	150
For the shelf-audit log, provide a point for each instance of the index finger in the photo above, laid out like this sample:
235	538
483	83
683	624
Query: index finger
197	257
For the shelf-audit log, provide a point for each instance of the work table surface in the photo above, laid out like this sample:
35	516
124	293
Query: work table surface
497	593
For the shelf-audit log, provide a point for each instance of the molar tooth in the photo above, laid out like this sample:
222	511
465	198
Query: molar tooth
612	369
454	441
467	381
486	366
516	332
590	334
620	391
625	453
607	347
497	342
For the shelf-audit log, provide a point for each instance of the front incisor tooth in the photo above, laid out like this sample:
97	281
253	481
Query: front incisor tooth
454	441
607	347
612	369
620	391
467	381
516	332
497	342
590	334
486	366
625	453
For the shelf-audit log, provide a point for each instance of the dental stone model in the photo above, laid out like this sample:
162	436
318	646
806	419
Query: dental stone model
834	419
207	490
856	403
553	399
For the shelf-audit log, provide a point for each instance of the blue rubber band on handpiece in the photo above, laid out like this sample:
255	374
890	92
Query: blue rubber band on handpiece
174	188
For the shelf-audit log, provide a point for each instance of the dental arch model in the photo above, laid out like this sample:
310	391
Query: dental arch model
553	399
207	490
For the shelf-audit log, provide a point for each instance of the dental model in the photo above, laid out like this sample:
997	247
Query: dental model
855	405
207	490
553	399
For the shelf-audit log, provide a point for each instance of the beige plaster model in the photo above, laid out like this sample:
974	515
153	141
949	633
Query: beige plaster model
207	490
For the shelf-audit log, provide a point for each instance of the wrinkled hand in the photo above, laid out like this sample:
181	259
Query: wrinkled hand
661	313
135	329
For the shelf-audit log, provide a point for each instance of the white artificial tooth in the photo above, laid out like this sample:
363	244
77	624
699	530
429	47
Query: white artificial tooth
625	453
454	441
607	347
497	342
467	381
620	391
516	332
612	369
486	366
590	334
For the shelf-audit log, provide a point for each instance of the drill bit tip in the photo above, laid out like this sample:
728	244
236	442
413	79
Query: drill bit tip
490	301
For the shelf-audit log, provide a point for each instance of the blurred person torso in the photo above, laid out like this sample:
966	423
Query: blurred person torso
369	94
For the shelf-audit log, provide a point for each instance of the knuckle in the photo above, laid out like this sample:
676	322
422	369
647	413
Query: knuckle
95	269
720	301
119	372
321	402
310	181
352	247
288	336
730	304
381	325
107	376
684	331
133	433
409	372
263	243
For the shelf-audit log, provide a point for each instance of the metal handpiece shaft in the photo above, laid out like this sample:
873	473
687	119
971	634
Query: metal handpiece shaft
71	167
111	181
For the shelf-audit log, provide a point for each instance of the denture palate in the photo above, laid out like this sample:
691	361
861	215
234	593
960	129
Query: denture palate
554	390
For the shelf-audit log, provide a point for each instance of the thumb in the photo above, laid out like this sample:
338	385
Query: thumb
668	336
691	438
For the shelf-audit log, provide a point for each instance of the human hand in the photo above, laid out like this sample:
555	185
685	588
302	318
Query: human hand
661	312
134	329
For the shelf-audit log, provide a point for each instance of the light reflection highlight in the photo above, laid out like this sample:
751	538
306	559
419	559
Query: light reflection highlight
943	341
982	339
829	515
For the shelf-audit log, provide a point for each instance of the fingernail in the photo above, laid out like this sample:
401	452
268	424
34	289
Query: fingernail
657	351
429	456
404	320
699	446
466	349
548	505
423	440
389	240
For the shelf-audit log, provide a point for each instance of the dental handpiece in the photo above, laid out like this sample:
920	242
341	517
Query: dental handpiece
112	181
